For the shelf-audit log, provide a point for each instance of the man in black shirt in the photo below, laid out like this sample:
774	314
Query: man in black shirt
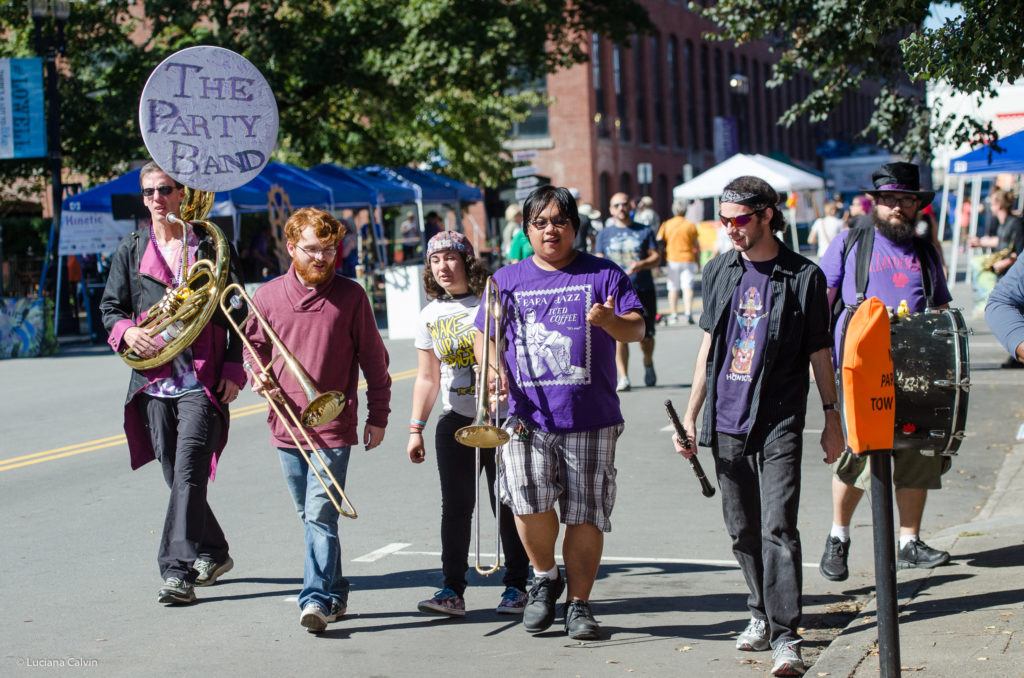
765	319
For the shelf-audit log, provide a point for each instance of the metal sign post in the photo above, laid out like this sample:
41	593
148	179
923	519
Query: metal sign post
885	564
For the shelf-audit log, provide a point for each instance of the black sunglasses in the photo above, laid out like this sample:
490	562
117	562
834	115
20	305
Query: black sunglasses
163	190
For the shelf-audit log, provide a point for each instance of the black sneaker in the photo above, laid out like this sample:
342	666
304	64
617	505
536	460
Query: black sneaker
919	554
833	561
579	621
210	570
539	612
176	591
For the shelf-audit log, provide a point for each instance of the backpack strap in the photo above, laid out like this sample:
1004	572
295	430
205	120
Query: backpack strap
865	239
925	253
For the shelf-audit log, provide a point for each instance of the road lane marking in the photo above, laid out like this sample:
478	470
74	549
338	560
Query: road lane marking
114	441
382	552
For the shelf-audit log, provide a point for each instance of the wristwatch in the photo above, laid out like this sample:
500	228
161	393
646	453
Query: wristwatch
829	406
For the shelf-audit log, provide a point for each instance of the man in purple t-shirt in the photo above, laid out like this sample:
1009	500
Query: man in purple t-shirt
563	310
894	276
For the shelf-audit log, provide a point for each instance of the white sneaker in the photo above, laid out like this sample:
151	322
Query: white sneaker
755	637
313	618
623	384
673	319
788	661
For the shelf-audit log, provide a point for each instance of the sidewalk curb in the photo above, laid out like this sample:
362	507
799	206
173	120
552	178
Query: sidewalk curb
852	646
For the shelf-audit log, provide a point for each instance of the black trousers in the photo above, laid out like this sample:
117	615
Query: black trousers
456	464
760	498
184	432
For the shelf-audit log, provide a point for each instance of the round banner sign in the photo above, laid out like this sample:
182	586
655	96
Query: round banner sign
208	118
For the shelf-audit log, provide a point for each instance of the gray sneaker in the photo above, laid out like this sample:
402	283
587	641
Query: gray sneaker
787	660
755	637
209	570
176	591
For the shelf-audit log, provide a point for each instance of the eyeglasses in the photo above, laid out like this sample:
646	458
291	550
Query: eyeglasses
619	204
892	201
740	221
316	254
557	222
162	190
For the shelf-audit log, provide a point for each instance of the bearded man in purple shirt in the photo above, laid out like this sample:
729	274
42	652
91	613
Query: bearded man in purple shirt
895	275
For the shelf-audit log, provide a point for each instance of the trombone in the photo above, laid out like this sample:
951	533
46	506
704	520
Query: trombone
484	432
321	408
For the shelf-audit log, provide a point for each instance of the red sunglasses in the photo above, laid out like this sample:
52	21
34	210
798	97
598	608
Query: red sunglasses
740	221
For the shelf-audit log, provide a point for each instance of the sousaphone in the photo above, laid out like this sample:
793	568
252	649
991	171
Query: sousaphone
209	120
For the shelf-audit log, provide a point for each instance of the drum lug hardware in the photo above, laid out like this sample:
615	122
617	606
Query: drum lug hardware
958	435
937	433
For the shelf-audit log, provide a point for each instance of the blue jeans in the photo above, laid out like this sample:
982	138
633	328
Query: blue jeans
322	581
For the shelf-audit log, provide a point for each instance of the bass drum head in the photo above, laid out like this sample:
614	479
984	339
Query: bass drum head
932	378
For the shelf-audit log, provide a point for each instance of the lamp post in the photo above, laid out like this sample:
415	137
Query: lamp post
49	18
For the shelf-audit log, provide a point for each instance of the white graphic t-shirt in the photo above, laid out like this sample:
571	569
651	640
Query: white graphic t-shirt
446	328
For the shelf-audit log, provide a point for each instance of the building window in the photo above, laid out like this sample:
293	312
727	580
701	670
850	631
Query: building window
719	81
693	139
705	86
664	199
746	134
600	111
643	132
657	85
675	110
758	104
536	125
621	121
604	191
770	114
625	184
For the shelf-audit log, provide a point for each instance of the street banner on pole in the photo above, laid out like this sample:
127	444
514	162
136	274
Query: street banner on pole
22	122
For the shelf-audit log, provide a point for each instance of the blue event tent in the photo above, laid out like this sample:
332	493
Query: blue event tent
974	167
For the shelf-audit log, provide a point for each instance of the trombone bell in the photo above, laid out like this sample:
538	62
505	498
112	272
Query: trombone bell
323	408
481	435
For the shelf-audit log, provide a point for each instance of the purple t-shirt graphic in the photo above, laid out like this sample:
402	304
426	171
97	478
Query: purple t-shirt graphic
561	368
745	337
894	275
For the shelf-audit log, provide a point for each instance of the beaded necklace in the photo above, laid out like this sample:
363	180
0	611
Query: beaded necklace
183	264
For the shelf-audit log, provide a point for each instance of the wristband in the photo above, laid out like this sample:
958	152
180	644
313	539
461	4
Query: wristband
415	431
417	422
830	406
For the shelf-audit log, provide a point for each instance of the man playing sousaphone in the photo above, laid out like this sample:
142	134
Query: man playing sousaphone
326	321
176	412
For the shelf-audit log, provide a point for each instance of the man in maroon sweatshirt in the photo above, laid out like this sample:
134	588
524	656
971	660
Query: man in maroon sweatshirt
327	323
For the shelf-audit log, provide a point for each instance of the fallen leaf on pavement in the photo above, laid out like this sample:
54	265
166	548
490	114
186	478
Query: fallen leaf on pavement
982	659
684	648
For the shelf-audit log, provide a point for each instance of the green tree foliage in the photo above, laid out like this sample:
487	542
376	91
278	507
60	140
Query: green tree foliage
843	43
356	81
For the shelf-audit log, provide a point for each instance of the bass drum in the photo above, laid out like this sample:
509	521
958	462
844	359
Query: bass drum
931	362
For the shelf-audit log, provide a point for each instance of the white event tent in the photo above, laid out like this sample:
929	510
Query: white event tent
782	177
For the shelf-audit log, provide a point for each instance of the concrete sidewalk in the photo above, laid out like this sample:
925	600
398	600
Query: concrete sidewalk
961	619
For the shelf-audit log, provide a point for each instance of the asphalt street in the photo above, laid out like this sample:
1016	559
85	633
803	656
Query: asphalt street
80	533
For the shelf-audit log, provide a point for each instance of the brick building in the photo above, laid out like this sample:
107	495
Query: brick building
661	100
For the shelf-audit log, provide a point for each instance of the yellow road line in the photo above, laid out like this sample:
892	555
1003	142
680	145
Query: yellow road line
113	441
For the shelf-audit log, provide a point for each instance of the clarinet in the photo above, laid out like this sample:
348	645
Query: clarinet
705	487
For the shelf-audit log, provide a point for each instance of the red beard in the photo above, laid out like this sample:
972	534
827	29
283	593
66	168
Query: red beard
314	272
